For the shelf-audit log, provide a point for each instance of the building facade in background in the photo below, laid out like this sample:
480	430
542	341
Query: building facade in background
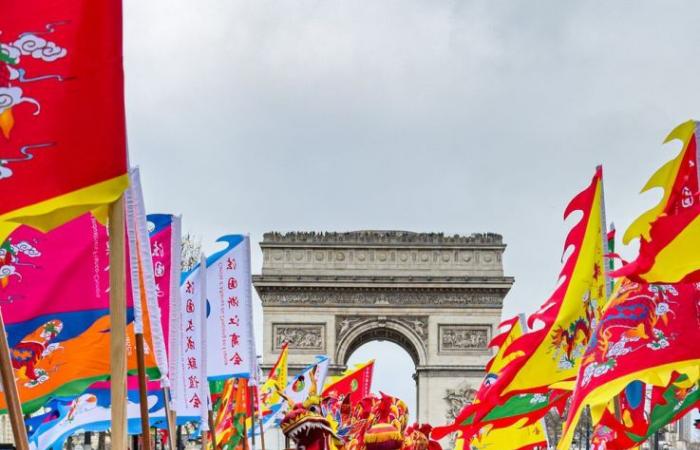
438	297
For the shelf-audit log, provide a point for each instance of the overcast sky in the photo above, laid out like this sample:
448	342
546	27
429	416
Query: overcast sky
452	116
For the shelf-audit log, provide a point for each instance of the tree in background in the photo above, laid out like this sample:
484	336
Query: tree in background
191	251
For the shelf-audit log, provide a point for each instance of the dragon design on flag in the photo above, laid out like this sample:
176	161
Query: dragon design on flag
635	318
31	350
571	341
32	46
11	257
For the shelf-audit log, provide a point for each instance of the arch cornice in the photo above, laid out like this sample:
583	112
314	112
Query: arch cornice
409	332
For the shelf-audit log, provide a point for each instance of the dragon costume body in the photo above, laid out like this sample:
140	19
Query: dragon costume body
374	423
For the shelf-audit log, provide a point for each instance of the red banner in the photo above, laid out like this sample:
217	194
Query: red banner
644	335
62	123
355	384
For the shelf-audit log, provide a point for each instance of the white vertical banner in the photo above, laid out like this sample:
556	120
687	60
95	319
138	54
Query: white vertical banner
204	384
175	318
191	377
231	344
133	254
143	241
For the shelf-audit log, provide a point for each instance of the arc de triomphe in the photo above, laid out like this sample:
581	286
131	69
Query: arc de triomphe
439	297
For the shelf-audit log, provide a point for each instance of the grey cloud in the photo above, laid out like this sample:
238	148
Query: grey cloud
453	116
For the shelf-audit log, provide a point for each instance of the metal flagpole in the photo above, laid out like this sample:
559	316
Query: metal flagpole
251	390
588	427
180	445
262	434
117	312
657	444
606	264
212	429
546	434
14	407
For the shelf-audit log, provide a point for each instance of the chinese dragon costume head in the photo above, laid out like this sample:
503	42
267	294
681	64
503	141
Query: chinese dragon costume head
308	425
373	423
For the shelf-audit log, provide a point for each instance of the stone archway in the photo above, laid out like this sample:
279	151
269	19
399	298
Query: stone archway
409	333
439	297
354	331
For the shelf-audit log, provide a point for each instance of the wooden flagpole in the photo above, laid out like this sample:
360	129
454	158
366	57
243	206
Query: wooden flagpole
232	411
260	424
143	392
262	434
212	429
246	444
117	313
205	440
170	417
14	407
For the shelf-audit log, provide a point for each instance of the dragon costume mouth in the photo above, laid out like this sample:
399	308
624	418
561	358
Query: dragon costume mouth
302	425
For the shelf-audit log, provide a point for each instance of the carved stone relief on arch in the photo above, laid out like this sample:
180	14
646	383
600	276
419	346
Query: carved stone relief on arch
344	324
456	400
303	337
463	338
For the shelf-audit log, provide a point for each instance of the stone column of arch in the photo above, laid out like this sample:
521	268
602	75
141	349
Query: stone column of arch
438	297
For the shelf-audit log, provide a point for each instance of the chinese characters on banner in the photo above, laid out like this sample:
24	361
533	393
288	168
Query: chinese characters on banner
191	384
164	230
161	233
231	351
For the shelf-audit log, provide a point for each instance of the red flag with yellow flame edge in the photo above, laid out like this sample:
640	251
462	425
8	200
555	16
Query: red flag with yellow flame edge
669	230
62	122
645	335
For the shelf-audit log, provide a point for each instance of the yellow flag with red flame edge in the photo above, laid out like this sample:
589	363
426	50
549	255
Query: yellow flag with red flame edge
276	382
669	231
512	330
554	351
